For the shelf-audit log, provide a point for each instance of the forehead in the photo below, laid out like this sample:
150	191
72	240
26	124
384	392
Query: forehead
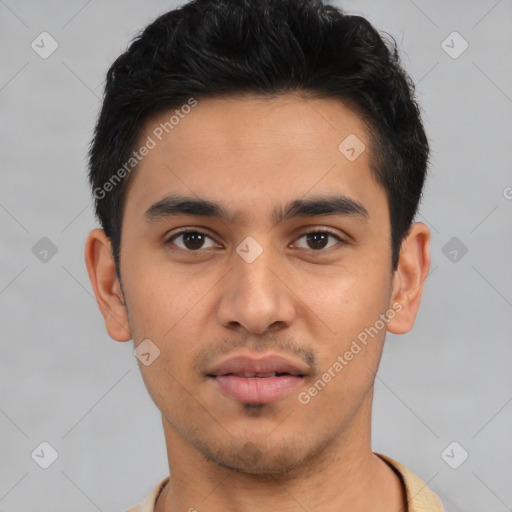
249	149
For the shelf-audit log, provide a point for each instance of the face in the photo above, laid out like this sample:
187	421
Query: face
256	257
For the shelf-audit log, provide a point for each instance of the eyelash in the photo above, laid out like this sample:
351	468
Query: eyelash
326	231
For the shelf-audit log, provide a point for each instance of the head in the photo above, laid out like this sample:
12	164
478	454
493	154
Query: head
284	136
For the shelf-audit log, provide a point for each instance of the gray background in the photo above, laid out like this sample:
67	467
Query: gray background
65	382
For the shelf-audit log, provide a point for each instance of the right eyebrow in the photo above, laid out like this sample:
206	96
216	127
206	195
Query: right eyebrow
176	205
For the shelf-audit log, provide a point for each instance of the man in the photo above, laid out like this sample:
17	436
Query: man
257	166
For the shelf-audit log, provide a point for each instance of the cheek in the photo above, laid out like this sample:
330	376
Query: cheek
348	305
347	369
347	301
163	298
169	310
340	390
169	379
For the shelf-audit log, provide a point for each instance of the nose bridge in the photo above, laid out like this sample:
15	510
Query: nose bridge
256	297
255	276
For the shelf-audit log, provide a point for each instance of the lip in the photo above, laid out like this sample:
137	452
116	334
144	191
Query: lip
249	379
270	363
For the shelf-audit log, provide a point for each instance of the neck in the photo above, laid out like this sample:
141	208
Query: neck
345	474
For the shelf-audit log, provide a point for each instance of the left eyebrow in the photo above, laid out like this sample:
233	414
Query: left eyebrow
178	205
331	205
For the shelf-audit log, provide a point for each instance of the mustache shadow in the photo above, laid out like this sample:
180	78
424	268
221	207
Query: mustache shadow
284	347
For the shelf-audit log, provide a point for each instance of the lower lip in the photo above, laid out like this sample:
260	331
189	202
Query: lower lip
257	390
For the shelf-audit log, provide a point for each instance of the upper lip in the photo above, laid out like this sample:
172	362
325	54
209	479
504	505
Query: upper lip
258	366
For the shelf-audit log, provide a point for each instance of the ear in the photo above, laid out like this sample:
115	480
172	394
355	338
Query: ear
409	278
102	274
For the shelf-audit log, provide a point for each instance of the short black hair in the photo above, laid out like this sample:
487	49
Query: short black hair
215	48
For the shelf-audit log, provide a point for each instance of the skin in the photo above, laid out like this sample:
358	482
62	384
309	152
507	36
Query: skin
252	154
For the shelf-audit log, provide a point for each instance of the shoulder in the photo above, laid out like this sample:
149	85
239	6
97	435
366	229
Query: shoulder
419	497
148	505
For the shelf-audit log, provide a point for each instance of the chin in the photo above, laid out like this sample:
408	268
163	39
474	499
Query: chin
253	458
257	458
246	463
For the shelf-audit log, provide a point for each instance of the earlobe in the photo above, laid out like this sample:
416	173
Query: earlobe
409	278
107	289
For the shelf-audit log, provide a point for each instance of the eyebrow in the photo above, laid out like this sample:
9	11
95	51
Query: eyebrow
178	205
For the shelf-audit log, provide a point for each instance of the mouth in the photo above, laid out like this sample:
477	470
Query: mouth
247	375
258	381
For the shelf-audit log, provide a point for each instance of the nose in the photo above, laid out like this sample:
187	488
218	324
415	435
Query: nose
256	296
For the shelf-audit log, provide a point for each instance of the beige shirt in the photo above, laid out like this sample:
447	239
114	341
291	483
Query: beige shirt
419	497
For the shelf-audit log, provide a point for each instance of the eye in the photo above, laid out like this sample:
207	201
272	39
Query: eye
191	240
318	240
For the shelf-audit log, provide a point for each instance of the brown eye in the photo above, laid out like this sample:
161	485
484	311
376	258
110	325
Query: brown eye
318	240
191	240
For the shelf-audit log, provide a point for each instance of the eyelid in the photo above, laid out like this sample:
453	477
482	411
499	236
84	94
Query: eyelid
168	240
324	230
305	231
